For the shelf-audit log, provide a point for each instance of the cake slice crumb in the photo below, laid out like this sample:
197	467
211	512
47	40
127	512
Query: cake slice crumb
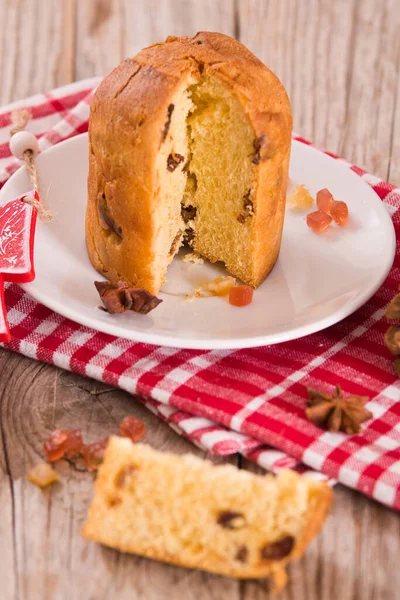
193	257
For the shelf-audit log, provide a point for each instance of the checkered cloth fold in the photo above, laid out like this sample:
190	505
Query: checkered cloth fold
248	401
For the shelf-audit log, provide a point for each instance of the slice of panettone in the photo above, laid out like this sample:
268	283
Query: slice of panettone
189	512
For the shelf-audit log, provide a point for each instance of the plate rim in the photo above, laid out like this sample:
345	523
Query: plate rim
234	343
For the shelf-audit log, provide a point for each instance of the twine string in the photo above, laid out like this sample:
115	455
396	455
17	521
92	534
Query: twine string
20	119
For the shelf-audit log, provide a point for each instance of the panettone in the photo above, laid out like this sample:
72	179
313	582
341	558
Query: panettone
189	141
189	512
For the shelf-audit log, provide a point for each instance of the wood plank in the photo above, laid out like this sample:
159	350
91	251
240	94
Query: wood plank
372	82
393	174
339	62
307	45
8	574
36	43
104	38
100	35
153	20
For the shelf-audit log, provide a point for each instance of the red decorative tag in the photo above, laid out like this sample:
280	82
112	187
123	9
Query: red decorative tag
17	234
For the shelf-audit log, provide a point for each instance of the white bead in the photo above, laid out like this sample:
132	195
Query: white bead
21	141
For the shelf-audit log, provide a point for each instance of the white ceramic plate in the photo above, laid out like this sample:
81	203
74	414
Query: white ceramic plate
317	281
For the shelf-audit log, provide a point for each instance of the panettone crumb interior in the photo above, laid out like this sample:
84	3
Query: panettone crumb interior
170	507
206	178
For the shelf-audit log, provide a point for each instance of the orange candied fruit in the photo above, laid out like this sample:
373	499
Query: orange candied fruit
318	221
42	475
324	200
93	454
241	295
132	428
300	198
63	442
73	444
340	212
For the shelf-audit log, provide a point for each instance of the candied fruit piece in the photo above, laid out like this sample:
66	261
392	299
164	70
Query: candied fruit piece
318	221
132	428
324	200
340	212
42	475
63	442
73	444
217	287
93	454
220	286
54	445
241	295
300	198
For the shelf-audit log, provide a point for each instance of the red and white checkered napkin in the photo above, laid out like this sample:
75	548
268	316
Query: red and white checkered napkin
247	401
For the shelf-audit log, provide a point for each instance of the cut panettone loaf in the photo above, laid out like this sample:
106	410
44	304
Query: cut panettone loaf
188	141
189	512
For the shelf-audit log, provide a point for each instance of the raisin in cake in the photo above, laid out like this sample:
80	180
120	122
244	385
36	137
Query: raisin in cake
186	511
188	141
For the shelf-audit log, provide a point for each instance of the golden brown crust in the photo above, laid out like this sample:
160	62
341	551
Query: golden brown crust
320	500
142	509
127	120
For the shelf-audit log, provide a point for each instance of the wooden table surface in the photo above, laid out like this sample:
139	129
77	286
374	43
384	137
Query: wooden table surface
339	61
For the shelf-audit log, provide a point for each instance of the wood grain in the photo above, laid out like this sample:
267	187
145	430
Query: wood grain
37	46
103	40
340	63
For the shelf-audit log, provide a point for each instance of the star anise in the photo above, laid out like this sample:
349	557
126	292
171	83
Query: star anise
392	339
118	298
336	412
393	308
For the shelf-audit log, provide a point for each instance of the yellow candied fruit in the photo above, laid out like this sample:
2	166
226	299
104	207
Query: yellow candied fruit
300	198
217	287
220	286
42	475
